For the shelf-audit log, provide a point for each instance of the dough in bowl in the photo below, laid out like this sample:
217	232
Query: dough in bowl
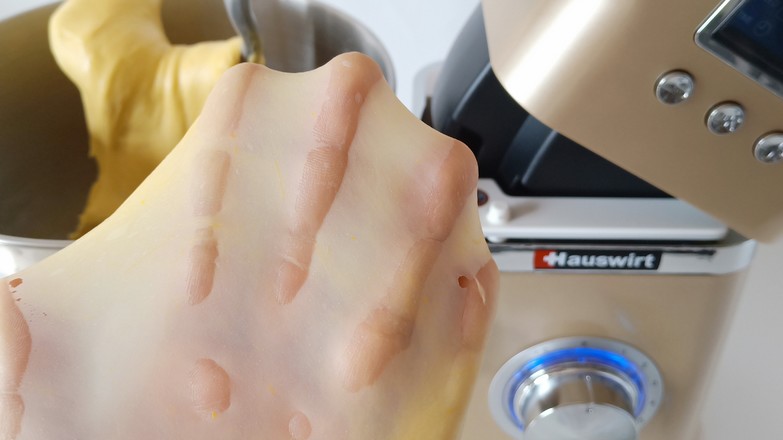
140	93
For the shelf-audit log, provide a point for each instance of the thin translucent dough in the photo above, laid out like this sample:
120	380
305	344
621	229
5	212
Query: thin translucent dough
166	320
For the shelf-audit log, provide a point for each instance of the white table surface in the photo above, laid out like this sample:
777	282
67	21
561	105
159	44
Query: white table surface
743	401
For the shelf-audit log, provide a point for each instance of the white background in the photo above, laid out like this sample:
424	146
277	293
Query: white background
744	399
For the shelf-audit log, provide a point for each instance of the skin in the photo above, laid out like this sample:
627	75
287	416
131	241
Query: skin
307	263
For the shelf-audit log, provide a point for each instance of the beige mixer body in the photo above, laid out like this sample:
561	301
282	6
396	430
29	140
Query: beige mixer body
588	69
679	321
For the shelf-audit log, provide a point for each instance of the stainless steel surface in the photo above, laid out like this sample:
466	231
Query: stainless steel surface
674	87
301	35
45	170
725	118
573	384
16	253
583	422
704	40
769	149
244	21
569	388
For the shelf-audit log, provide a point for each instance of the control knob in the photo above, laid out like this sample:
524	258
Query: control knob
576	388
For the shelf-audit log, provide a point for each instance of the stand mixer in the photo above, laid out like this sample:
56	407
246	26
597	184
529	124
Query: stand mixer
626	152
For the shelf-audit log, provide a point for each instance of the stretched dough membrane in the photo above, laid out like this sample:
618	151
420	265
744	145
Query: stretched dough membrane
307	263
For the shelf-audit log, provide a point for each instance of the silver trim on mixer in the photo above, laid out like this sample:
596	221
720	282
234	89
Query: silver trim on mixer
577	387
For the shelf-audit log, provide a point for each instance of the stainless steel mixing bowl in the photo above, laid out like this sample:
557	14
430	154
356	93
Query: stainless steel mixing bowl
45	171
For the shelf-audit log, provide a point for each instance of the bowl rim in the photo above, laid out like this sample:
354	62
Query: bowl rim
40	243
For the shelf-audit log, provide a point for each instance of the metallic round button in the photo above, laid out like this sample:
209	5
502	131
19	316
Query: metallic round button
674	87
725	118
582	388
583	422
769	149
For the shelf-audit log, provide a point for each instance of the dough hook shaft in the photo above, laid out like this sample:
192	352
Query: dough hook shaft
244	21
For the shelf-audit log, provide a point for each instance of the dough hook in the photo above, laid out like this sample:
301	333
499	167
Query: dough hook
245	23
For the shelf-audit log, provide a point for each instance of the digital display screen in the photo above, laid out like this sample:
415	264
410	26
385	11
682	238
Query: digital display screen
748	35
754	31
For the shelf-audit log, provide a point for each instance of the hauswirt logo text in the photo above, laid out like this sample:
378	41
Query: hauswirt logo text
573	259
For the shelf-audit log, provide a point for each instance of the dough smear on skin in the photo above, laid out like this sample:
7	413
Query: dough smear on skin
140	93
307	263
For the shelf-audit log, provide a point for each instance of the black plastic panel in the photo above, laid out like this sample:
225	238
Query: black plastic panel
522	154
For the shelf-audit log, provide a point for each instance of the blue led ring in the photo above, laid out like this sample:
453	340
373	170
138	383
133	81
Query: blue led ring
635	369
578	355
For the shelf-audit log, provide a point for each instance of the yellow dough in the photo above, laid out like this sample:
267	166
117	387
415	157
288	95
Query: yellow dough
140	93
306	264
